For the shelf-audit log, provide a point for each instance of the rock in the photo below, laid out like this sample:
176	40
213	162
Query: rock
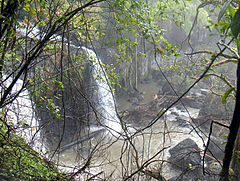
175	113
194	101
166	89
183	121
204	123
140	97
160	92
135	97
194	176
156	75
213	107
185	157
216	147
145	81
133	100
180	107
184	153
204	91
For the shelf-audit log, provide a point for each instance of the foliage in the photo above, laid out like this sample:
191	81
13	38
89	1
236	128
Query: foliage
19	161
33	33
138	29
226	94
228	26
235	24
48	63
181	12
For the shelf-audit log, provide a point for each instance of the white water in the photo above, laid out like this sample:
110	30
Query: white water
21	114
147	143
105	97
110	157
107	115
35	33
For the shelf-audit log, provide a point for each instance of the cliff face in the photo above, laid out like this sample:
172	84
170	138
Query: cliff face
62	95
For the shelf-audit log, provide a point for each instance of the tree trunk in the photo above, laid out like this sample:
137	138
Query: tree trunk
233	131
136	64
234	165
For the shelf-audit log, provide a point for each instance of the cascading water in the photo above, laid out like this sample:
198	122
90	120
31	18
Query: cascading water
145	145
21	113
105	97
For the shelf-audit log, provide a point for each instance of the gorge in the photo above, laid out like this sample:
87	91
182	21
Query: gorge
119	90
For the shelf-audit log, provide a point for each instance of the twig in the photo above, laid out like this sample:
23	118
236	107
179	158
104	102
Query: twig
159	115
145	164
223	78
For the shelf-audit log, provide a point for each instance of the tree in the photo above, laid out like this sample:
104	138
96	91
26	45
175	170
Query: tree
53	69
23	51
19	54
234	126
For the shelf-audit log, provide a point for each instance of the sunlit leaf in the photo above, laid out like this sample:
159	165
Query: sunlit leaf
226	94
238	45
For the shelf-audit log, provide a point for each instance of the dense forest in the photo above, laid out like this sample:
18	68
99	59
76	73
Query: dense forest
120	90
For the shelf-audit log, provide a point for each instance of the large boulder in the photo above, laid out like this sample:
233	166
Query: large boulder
213	107
186	158
184	154
215	154
167	89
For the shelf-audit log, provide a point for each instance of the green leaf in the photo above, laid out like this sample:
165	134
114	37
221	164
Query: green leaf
231	11
226	94
223	10
235	24
143	54
238	45
25	125
60	84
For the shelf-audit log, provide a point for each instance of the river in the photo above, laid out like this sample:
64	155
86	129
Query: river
116	158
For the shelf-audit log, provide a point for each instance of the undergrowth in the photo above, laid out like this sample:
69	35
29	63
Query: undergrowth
18	161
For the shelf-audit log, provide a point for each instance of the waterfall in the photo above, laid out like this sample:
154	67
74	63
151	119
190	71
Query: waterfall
21	114
104	99
106	105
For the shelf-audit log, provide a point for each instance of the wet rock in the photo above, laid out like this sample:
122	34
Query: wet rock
215	150
133	100
213	107
185	153
160	92
180	107
182	121
166	89
175	113
193	102
135	97
204	91
140	97
186	158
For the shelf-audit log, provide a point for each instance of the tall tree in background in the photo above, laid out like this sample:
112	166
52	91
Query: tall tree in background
234	126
